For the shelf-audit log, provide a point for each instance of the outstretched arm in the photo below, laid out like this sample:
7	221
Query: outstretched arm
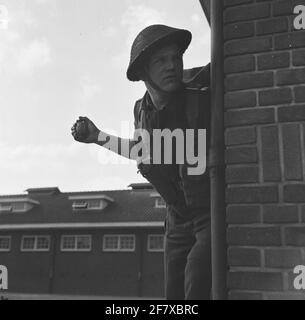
85	131
121	146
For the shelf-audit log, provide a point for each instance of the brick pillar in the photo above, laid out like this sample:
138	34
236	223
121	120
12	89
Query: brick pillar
265	148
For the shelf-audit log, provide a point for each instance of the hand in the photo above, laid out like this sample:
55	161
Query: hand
85	131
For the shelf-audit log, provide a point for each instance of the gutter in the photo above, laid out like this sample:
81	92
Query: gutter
51	226
217	162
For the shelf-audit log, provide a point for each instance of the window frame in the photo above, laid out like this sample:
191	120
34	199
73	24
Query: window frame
86	205
158	205
10	244
19	211
8	208
75	249
149	236
35	249
119	249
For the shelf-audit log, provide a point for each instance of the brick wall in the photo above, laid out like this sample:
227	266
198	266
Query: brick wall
265	148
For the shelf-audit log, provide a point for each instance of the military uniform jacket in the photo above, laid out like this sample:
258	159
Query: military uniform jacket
188	193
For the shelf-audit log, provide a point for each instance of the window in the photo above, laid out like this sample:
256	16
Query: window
43	243
94	204
71	243
18	207
111	243
90	202
5	244
35	243
89	205
155	243
5	207
160	203
125	243
78	205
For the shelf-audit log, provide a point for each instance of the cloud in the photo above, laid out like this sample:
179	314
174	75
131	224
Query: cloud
42	1
27	157
137	17
37	165
109	31
70	167
36	54
19	53
90	88
196	18
133	20
17	59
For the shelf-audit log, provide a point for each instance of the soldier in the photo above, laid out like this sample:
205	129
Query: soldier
169	102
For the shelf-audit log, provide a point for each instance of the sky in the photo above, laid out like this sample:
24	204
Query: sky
61	59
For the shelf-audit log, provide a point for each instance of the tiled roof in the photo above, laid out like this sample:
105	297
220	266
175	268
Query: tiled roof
134	205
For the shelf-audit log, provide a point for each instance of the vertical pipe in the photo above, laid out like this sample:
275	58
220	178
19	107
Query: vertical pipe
53	262
217	171
140	242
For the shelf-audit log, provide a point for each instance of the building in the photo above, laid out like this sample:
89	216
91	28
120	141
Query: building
106	243
264	95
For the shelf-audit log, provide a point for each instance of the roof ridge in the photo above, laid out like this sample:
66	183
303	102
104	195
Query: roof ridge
95	191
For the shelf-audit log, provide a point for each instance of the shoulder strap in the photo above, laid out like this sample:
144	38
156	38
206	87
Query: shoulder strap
197	107
138	110
197	77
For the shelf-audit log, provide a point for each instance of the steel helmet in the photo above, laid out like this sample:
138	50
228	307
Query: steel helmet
150	38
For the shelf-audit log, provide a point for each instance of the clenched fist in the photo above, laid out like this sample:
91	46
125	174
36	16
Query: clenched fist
84	130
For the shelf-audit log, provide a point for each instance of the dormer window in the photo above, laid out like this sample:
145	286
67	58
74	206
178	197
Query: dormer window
17	205
89	203
78	205
160	203
6	207
96	204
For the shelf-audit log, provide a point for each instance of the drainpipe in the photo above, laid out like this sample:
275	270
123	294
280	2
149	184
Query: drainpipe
52	269
217	170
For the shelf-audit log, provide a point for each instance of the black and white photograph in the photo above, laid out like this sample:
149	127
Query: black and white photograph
152	151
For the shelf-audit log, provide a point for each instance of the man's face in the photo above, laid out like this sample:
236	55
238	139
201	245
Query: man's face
165	68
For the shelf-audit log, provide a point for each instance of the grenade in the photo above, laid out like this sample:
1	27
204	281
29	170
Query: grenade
82	130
